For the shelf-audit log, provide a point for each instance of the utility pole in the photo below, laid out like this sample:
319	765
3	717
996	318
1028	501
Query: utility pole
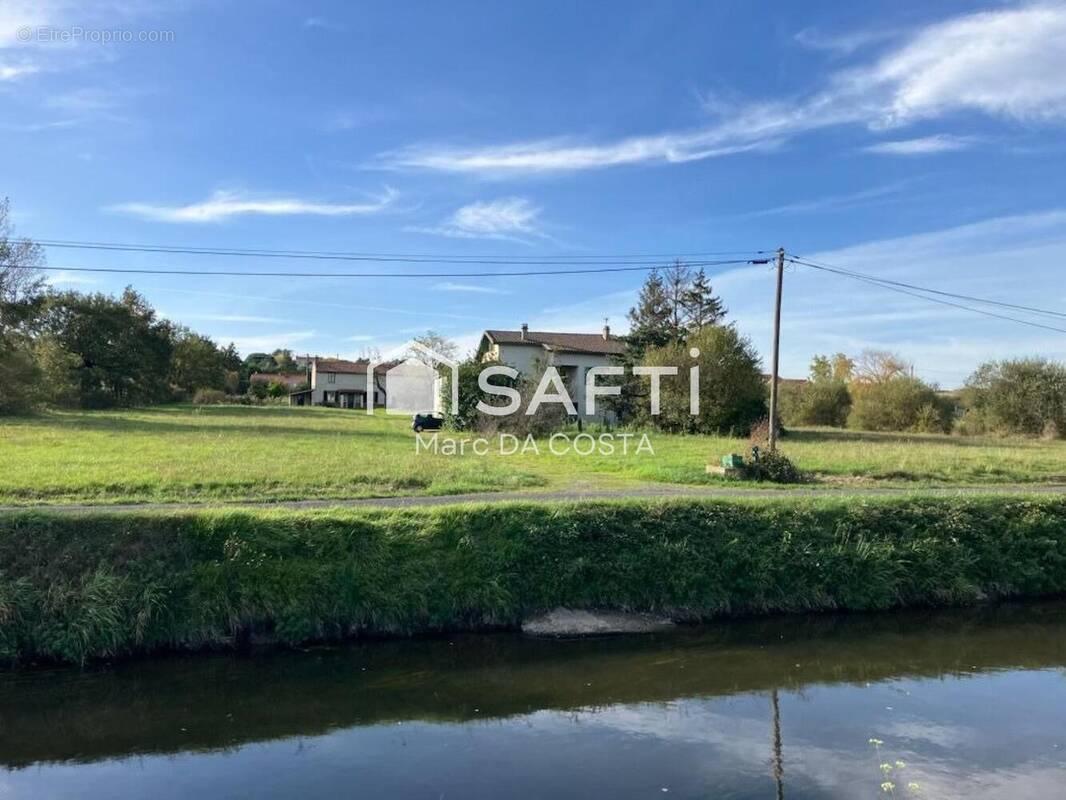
776	352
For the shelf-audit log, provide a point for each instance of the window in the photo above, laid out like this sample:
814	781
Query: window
331	377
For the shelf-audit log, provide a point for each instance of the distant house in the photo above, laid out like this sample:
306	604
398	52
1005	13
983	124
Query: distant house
290	380
336	382
573	354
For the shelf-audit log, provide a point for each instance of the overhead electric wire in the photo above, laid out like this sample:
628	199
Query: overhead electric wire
892	287
852	273
648	259
291	274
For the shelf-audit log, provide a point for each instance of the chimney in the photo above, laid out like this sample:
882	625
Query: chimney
525	331
606	332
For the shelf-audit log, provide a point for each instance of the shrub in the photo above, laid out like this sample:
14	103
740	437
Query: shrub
732	391
826	403
760	432
1024	396
209	397
776	467
898	404
467	417
545	420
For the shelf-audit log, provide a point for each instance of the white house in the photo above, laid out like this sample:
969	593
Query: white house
573	354
335	381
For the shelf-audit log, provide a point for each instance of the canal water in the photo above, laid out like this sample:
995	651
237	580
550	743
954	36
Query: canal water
929	704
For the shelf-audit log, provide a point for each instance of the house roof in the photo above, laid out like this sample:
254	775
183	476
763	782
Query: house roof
785	381
565	342
352	367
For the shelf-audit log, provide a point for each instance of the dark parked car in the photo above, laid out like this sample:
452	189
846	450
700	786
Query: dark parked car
426	422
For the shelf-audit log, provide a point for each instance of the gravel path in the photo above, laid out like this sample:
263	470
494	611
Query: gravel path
571	495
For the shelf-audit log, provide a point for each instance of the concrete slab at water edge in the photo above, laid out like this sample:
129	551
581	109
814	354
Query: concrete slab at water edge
579	622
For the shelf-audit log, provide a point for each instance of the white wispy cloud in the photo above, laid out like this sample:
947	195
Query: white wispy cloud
842	43
837	202
925	145
62	277
360	338
508	218
223	205
28	28
13	71
448	286
1005	63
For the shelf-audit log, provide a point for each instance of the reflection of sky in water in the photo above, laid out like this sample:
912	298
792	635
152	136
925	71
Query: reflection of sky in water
985	736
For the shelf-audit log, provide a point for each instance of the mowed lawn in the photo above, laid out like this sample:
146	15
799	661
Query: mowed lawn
277	453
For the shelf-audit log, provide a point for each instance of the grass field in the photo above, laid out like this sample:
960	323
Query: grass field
277	453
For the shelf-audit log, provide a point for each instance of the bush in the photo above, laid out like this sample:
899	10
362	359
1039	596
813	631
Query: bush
732	390
209	397
544	421
760	432
467	417
1025	396
815	403
776	467
899	404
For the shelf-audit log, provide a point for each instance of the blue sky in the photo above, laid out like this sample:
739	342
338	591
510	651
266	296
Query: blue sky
921	142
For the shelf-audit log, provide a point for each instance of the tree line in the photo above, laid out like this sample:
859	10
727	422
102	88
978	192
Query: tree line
877	391
92	350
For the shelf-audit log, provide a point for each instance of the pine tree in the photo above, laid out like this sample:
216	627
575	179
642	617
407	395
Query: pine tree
700	305
676	281
649	319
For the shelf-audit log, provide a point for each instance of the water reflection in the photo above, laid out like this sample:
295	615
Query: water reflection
969	703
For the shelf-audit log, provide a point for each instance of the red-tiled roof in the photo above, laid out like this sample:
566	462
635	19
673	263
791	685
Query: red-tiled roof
352	367
567	342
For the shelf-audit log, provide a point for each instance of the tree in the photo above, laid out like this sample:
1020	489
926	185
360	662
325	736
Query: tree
649	319
21	280
837	367
122	350
283	361
824	399
1021	396
676	280
439	344
731	387
196	362
467	417
21	292
700	305
878	366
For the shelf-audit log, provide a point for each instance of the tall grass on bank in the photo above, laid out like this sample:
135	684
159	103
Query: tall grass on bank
75	587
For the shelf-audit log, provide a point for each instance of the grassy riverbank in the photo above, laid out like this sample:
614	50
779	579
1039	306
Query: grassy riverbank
225	453
81	586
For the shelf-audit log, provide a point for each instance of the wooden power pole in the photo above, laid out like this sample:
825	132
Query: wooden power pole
776	352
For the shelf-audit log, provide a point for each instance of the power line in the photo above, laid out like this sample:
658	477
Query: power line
890	285
259	274
648	259
985	300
